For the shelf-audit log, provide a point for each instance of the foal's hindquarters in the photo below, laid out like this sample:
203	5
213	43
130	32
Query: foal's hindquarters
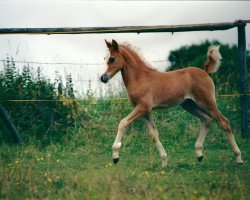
201	103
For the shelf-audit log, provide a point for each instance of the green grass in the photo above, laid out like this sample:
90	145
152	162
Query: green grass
80	166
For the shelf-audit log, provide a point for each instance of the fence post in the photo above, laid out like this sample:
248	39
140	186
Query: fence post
10	126
243	77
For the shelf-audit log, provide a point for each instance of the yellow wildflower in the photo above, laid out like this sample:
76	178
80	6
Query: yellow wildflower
162	172
108	165
49	180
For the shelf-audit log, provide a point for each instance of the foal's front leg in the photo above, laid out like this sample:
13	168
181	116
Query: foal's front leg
148	119
136	113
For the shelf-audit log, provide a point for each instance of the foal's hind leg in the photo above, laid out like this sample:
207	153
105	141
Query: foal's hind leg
224	123
211	109
148	119
190	106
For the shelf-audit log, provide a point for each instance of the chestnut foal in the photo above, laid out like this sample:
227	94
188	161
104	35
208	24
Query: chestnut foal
147	88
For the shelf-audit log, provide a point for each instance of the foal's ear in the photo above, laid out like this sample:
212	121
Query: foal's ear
109	45
114	45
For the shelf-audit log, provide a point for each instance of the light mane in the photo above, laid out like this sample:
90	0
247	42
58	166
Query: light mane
142	63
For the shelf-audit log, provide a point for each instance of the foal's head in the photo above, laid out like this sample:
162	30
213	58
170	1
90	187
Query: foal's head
115	61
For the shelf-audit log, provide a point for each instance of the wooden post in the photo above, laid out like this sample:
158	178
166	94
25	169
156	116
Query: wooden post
243	78
10	126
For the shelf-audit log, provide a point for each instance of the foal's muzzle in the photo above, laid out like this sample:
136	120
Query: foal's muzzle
104	78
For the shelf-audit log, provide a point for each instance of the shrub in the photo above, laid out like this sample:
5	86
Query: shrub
44	120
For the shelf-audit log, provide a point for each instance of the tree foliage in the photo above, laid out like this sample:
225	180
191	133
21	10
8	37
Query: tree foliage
226	78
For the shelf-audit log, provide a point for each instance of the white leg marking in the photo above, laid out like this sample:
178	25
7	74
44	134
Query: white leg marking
117	144
137	112
200	139
235	147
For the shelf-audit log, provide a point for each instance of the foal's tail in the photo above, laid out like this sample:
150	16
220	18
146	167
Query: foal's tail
213	59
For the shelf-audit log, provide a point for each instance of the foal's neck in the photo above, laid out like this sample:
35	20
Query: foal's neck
132	71
128	75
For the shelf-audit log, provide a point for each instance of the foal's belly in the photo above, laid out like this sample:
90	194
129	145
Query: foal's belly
169	103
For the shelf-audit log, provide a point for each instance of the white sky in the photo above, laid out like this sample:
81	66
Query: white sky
91	48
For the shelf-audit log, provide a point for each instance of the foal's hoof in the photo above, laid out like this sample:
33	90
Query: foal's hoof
200	158
239	162
115	160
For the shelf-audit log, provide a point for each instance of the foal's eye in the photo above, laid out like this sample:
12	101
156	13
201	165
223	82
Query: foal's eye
111	59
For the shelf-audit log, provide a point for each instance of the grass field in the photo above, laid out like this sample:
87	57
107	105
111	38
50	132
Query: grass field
80	166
